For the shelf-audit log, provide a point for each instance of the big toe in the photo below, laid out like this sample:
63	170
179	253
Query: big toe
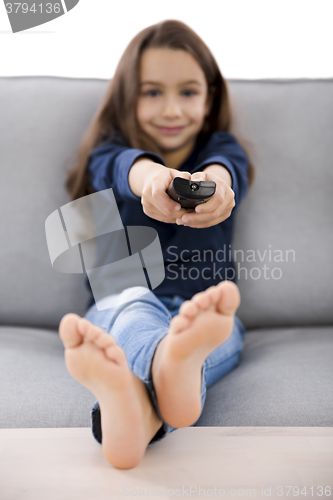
68	331
230	298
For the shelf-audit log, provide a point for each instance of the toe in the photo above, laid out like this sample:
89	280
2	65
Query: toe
88	329
68	330
179	323
203	300
215	294
115	353
95	334
189	308
84	327
104	340
230	298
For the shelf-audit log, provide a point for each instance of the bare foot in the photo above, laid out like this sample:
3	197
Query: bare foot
128	418
203	323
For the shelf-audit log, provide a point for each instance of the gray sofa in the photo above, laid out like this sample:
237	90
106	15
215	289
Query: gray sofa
284	238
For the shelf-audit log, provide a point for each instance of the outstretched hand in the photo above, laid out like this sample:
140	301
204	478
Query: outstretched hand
156	203
216	209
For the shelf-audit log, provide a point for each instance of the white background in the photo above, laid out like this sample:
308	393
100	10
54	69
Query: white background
249	38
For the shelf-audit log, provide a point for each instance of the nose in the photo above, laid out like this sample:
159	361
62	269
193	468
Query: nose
171	108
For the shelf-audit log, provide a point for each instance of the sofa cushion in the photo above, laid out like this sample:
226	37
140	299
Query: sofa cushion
288	127
284	378
36	388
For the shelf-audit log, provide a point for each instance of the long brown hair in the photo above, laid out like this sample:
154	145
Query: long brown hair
117	112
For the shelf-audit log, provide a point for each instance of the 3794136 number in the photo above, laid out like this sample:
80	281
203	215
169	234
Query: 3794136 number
49	8
319	491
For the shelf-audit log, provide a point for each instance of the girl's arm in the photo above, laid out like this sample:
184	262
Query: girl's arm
138	173
220	171
219	206
149	181
221	153
109	166
144	166
224	162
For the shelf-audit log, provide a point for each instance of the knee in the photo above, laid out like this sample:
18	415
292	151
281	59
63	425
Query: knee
134	293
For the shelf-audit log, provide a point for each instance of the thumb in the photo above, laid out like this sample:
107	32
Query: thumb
180	173
184	175
199	176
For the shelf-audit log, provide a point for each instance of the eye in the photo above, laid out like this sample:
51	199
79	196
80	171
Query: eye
189	91
150	92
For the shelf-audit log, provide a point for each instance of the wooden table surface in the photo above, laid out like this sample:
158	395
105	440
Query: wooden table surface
194	462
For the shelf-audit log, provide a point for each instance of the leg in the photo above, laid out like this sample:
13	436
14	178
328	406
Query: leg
173	366
129	420
140	361
202	327
226	356
137	327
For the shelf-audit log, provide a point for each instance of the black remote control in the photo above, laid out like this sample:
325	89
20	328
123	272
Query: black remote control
190	193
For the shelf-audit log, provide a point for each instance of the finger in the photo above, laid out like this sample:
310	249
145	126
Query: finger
163	203
209	220
175	214
201	218
181	173
199	176
151	211
153	214
166	205
210	206
201	226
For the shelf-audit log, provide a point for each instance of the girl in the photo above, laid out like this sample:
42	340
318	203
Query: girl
149	361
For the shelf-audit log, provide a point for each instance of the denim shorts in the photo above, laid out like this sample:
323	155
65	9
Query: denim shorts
138	325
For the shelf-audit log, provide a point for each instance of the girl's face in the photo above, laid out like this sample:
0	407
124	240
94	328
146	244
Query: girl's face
172	101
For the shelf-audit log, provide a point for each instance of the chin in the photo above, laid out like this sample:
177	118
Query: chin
173	139
170	146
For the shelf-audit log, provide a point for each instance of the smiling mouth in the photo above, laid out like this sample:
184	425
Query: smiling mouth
170	130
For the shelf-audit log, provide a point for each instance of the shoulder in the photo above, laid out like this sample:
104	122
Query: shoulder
114	137
222	142
222	137
109	143
226	143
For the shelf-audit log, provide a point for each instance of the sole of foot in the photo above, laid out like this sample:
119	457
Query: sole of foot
203	324
128	419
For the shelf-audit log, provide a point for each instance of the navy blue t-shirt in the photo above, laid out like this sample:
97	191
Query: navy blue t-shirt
194	258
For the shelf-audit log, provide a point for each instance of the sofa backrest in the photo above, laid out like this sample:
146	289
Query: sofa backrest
286	221
283	228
